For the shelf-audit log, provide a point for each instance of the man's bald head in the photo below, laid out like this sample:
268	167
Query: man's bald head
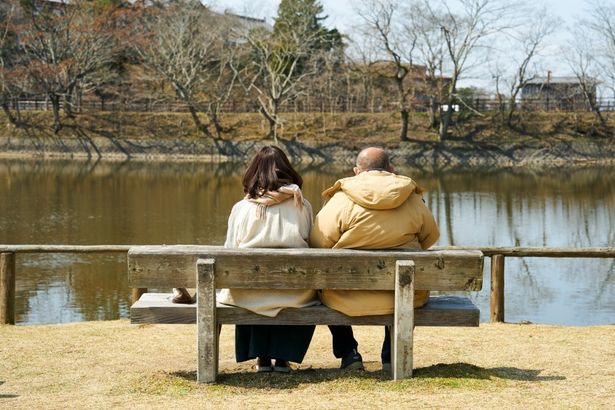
371	159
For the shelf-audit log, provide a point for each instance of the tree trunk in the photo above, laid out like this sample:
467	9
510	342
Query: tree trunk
185	96
9	114
17	110
595	108
445	121
55	106
274	115
272	121
68	102
511	112
599	115
197	121
214	117
403	134
446	116
433	118
512	104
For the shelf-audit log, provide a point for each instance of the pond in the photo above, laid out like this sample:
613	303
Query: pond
81	203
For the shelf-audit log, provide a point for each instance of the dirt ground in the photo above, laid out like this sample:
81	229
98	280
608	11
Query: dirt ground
119	365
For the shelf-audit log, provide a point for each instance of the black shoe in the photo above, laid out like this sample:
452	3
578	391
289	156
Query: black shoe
352	361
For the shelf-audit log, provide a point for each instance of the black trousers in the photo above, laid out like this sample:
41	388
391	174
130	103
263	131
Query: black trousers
275	342
344	342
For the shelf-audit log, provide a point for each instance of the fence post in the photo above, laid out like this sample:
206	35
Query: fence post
497	288
7	288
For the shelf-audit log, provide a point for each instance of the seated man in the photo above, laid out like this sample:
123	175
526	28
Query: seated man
375	209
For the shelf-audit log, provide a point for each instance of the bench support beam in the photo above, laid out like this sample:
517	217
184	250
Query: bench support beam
207	329
403	322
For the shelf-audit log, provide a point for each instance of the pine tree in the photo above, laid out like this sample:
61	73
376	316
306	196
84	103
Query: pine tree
302	20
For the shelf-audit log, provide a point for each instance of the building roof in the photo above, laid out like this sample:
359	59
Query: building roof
247	22
554	80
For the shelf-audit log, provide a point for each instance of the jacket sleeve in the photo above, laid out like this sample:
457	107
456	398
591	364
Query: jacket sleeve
329	223
429	233
308	215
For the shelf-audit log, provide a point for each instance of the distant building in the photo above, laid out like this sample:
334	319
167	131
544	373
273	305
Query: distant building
243	25
563	92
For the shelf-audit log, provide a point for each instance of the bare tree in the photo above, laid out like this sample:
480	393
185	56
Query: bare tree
583	59
188	46
8	56
602	23
464	33
361	56
528	41
63	46
380	18
219	83
279	66
430	46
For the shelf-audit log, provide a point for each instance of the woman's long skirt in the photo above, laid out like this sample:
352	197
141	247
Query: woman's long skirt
275	342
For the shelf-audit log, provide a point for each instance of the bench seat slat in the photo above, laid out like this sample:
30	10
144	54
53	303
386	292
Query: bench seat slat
440	311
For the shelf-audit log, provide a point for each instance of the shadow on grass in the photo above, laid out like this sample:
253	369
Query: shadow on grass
454	374
7	396
469	371
252	380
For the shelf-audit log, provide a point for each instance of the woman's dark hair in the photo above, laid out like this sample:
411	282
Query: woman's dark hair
269	170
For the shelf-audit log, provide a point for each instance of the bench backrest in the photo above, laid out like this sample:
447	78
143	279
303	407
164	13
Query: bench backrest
175	266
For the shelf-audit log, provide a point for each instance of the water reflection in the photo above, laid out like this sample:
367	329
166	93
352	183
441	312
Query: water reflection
160	203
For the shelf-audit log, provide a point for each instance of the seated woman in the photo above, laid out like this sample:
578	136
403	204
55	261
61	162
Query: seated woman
273	214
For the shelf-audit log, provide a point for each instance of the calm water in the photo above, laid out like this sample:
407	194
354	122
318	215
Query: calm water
106	203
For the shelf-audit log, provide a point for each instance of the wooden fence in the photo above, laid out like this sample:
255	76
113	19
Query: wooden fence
497	255
327	105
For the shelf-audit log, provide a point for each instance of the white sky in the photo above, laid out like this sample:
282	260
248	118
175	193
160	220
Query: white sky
341	15
341	12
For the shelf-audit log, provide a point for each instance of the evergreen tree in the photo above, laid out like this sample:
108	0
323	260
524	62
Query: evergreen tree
302	20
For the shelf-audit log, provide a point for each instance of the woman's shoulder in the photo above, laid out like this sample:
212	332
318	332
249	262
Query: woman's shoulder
241	207
242	203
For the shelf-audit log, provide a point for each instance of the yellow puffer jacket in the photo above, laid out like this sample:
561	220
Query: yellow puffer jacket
372	210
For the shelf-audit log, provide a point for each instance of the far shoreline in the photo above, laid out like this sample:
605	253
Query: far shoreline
441	156
537	141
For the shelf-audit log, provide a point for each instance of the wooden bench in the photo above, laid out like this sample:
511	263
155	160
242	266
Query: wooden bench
210	267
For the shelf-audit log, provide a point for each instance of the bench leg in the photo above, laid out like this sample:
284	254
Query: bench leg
403	322
207	328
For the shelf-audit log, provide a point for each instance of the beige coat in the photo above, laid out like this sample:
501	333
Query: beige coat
373	210
284	226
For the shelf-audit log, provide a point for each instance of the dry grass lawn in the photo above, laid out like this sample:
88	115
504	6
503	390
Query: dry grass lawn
118	365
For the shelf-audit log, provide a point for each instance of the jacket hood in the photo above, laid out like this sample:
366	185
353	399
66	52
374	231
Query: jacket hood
375	189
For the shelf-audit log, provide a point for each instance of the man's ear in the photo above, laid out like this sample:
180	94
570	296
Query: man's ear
356	170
